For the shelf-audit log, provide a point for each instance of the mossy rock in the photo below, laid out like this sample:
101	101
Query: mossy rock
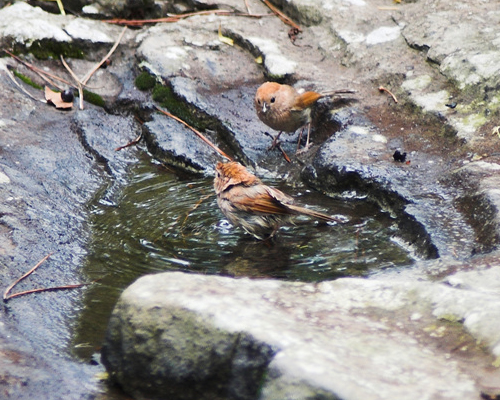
165	96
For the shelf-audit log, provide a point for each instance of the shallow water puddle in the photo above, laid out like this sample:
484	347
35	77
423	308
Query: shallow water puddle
160	222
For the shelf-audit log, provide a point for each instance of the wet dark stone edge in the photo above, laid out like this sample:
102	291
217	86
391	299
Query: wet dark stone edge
335	179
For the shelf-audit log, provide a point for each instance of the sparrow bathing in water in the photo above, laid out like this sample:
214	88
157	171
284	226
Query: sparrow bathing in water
284	109
259	209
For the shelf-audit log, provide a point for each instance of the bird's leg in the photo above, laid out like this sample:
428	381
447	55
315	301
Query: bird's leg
308	134
300	138
306	147
275	142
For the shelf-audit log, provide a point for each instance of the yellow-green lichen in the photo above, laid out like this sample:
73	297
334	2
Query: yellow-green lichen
475	120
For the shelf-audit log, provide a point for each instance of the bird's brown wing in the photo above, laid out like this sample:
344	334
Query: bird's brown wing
260	199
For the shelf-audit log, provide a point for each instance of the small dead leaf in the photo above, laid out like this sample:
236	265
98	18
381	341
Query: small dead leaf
258	60
56	99
225	39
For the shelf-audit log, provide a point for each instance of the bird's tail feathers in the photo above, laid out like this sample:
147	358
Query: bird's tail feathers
314	214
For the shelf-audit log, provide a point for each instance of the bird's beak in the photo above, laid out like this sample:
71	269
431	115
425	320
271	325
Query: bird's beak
264	107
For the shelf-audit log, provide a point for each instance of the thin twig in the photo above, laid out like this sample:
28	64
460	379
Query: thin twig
7	296
282	16
77	81
247	6
206	12
131	143
198	203
38	70
61	7
170	18
11	286
97	66
383	89
140	22
178	17
51	82
11	76
248	15
49	289
213	146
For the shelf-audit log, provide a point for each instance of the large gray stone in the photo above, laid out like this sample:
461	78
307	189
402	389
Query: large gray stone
23	24
347	339
47	177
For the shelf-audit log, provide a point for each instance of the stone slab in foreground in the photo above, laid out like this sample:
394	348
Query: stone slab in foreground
194	336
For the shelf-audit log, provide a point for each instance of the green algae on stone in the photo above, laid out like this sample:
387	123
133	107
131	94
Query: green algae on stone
27	80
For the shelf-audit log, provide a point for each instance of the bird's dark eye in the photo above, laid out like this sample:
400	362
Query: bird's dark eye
258	101
273	99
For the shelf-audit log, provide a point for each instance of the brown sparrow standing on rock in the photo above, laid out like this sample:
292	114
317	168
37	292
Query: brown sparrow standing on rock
259	209
284	109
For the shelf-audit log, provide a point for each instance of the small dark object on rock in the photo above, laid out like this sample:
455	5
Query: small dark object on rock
490	396
106	64
398	156
451	105
293	33
67	96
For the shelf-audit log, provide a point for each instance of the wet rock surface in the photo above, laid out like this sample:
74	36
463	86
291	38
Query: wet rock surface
445	194
336	337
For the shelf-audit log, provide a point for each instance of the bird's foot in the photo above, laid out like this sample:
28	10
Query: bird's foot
275	144
304	149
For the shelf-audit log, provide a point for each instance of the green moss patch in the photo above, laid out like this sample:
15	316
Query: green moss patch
27	80
145	81
165	96
46	49
93	98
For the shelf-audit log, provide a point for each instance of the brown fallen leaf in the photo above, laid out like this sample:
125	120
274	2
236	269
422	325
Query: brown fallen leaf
58	99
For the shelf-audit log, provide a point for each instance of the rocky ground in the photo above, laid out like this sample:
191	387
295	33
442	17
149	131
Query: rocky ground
431	331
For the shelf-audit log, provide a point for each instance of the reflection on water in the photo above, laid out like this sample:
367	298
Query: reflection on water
163	223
